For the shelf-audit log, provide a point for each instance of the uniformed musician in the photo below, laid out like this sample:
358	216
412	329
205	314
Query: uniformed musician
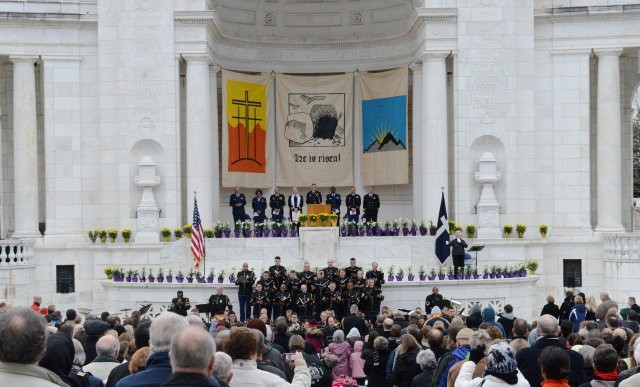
180	304
353	202
219	303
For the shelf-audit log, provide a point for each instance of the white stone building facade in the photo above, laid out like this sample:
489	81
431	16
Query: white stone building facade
90	88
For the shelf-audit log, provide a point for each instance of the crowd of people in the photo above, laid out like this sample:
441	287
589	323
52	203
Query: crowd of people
568	345
370	204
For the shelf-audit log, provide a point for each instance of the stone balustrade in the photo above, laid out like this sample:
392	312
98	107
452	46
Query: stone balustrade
621	247
14	252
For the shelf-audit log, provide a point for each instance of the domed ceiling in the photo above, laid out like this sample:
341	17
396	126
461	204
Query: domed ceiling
313	21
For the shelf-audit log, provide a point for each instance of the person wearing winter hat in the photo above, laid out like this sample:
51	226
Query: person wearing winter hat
501	369
436	315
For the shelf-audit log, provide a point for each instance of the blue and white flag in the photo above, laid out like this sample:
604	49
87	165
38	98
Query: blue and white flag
442	235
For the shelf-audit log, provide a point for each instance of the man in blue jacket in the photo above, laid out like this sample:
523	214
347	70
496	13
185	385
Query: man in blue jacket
237	201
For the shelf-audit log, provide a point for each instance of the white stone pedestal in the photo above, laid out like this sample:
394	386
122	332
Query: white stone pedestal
317	244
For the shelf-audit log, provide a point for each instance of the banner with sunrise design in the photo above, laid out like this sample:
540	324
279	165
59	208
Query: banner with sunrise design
246	117
385	148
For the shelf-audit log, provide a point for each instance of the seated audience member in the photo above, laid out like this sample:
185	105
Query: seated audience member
77	373
501	368
22	345
107	349
222	368
605	366
243	349
192	358
554	367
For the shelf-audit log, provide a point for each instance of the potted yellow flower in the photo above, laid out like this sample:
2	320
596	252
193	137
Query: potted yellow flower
471	230
532	266
507	229
126	234
334	219
102	234
543	230
177	233
520	229
165	233
187	230
303	220
113	234
324	217
313	218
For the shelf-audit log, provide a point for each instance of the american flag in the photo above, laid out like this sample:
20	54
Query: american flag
197	236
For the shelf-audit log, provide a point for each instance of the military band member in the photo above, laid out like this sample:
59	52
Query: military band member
314	196
278	272
293	283
370	296
307	276
359	282
352	269
259	207
320	285
219	303
244	281
296	202
259	300
377	275
335	201
180	304
332	300
330	272
350	296
370	205
268	285
277	202
304	302
281	301
341	280
353	202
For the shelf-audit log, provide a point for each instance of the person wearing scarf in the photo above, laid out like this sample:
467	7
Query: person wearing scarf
501	369
605	367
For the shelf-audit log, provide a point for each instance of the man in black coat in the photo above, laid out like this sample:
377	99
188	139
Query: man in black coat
244	281
353	202
457	251
277	202
527	358
354	321
314	196
237	201
192	356
433	299
370	205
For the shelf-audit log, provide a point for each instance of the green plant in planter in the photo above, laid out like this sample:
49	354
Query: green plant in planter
207	233
543	228
532	266
471	230
520	229
187	228
392	270
433	272
165	233
92	236
421	270
177	232
507	229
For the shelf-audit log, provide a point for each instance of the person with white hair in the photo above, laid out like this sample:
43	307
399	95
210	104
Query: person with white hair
77	373
158	369
342	350
107	349
222	368
426	359
192	358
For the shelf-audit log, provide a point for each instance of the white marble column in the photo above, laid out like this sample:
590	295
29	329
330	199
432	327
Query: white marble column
25	148
434	141
357	136
199	142
215	156
418	206
609	170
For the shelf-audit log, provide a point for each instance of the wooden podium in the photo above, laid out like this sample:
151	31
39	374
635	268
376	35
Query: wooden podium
318	208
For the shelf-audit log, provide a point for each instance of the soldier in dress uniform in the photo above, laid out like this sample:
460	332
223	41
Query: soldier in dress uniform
320	285
359	282
244	281
341	280
180	304
330	272
370	205
331	298
334	199
353	202
350	296
259	207
293	284
259	300
277	202
219	303
237	201
370	296
304	302
281	301
278	272
352	269
268	285
307	276
376	275
314	196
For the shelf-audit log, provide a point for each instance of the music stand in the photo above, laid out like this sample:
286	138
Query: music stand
205	308
476	249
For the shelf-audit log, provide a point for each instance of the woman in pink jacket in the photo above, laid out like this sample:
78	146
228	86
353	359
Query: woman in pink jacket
342	350
357	363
